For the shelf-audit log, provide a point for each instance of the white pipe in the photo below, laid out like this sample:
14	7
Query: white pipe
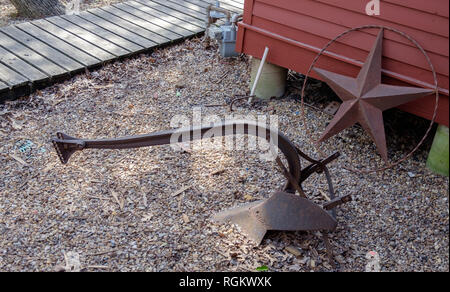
258	75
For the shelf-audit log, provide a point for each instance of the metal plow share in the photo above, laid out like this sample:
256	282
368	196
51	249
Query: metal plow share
283	210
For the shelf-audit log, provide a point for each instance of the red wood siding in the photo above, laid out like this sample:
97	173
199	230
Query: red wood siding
295	30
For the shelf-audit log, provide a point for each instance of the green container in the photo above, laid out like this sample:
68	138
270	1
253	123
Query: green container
272	81
438	157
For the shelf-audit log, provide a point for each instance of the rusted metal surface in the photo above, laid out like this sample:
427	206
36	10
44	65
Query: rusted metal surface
365	98
284	210
437	100
294	182
296	30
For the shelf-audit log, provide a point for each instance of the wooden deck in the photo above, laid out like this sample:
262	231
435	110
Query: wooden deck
41	52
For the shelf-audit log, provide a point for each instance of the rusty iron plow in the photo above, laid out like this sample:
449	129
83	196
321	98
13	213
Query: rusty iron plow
283	211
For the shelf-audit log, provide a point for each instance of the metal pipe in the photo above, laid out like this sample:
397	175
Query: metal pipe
235	19
212	7
258	75
209	20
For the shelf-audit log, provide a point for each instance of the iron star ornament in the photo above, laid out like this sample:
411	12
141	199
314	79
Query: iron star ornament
365	98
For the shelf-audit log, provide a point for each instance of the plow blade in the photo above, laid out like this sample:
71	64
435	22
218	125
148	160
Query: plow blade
282	211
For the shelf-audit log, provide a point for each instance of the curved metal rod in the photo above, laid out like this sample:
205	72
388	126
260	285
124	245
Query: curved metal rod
66	145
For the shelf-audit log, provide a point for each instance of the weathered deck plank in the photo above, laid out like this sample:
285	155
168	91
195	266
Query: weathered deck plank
58	44
3	86
236	3
73	40
161	31
154	20
43	49
224	4
184	7
88	36
37	51
227	4
30	56
18	65
165	17
12	78
131	36
103	33
178	13
154	37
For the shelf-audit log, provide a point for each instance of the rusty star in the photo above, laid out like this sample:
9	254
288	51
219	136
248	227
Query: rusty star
365	98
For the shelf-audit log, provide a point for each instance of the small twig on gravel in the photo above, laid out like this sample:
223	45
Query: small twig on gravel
79	103
316	108
216	105
180	191
217	172
101	253
221	78
49	227
94	197
18	159
98	267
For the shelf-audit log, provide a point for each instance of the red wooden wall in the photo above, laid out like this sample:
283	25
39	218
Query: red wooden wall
295	30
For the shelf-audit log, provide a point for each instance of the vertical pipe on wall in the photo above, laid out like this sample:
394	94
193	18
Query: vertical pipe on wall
258	75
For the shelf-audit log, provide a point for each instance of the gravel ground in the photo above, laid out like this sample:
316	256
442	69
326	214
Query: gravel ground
124	211
8	13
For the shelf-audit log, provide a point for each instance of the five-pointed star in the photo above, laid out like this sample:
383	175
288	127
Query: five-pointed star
365	98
